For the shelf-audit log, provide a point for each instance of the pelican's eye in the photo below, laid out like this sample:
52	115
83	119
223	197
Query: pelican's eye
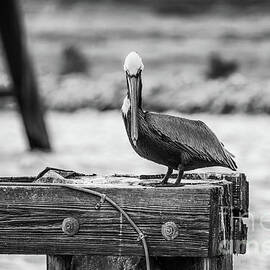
139	72
134	75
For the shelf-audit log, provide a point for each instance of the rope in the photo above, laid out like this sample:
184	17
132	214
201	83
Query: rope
103	198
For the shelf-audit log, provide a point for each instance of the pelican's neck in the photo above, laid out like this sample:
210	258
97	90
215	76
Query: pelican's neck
126	112
126	106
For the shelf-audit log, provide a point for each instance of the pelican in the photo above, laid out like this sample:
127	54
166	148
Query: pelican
178	143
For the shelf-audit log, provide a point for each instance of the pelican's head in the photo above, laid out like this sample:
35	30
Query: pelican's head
133	66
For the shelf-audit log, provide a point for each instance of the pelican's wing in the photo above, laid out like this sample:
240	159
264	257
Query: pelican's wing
194	137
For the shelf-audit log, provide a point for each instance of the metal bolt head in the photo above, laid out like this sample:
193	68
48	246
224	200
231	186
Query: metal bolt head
169	230
70	226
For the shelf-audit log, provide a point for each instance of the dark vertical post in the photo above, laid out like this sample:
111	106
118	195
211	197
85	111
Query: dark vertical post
131	263
59	262
21	70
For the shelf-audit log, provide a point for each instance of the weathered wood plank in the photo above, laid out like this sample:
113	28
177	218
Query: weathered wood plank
31	217
109	263
240	194
157	263
215	263
18	179
59	262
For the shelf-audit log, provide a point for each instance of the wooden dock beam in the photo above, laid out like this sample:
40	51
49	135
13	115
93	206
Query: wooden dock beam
157	263
191	226
60	262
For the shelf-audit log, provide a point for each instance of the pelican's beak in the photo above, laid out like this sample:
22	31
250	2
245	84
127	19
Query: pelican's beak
133	87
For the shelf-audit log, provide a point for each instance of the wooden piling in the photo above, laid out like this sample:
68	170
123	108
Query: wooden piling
60	262
185	227
24	86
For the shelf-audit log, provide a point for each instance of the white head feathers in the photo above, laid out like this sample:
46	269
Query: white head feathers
133	63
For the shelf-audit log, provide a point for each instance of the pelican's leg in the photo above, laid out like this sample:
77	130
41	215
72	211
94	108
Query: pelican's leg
167	176
179	176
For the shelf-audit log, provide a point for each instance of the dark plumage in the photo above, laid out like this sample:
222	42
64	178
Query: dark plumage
175	142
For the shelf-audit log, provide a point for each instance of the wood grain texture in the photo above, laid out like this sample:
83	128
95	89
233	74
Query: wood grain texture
240	194
137	263
18	179
109	263
214	263
240	189
59	262
31	216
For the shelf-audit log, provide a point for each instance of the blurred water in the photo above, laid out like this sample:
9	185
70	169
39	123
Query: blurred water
89	141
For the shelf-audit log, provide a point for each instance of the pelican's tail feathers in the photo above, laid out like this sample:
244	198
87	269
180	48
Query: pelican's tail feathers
230	160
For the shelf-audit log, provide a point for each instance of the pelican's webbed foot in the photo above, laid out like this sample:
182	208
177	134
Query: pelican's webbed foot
164	181
166	177
179	177
159	184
